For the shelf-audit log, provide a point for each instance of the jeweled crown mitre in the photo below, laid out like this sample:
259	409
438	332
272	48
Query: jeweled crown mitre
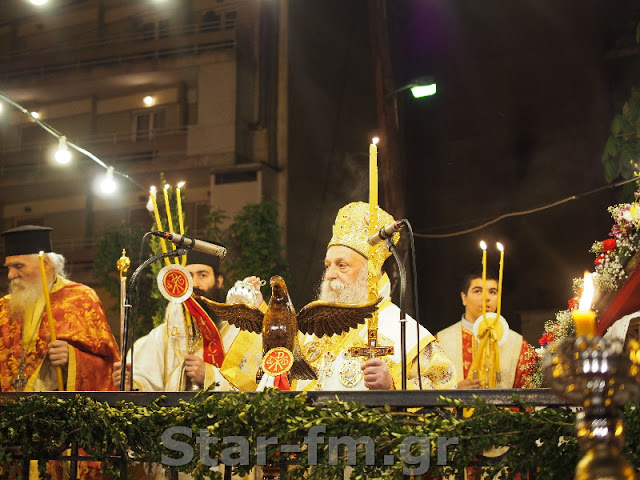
351	229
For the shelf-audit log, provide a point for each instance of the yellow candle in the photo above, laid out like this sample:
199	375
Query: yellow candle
483	246
163	246
167	207
501	248
373	173
372	275
373	187
179	201
584	318
52	325
180	218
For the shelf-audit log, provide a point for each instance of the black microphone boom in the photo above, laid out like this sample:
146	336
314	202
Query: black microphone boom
387	232
183	241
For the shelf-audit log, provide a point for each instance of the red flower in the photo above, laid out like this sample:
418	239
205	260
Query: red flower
600	259
608	245
546	339
573	303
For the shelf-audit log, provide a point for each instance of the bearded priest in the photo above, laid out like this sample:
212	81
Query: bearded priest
84	348
345	280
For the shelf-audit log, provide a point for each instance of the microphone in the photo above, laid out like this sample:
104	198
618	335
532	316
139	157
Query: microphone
387	232
183	241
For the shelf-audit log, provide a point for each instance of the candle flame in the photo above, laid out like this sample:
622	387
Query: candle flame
500	247
587	293
181	184
167	186
152	189
483	245
375	140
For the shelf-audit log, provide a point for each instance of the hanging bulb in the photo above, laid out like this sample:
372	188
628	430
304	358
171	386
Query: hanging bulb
63	155
108	184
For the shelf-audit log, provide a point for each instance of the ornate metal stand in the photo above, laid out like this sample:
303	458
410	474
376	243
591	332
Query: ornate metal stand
600	374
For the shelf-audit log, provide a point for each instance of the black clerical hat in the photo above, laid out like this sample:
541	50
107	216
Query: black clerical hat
26	240
201	258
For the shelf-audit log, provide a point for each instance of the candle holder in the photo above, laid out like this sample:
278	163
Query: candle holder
600	374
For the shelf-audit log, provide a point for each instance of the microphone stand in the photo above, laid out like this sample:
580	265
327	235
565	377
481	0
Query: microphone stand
127	335
403	320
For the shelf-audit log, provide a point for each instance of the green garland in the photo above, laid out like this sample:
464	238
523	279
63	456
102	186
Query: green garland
540	440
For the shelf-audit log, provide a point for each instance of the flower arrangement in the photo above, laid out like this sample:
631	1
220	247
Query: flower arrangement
612	268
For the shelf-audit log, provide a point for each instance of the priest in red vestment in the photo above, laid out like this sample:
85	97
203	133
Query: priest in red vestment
84	349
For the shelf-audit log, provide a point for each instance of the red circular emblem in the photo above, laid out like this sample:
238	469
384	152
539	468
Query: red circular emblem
277	361
175	283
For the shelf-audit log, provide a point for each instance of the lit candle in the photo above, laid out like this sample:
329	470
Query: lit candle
373	186
584	318
152	195
501	248
179	201
52	325
167	207
373	173
180	218
372	275
483	246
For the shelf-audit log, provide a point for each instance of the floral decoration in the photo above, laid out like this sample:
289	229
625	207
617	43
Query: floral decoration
612	255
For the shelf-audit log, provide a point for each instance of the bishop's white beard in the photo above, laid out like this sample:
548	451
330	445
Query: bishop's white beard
23	296
337	291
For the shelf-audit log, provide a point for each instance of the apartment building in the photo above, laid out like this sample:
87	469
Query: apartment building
186	89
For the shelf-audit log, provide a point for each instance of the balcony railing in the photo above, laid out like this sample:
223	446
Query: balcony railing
139	45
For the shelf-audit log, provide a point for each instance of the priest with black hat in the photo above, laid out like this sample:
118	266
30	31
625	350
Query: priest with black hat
178	355
84	349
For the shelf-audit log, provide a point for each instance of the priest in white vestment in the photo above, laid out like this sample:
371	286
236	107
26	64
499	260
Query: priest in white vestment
345	280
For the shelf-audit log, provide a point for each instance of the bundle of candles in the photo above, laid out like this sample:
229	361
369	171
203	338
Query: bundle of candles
167	204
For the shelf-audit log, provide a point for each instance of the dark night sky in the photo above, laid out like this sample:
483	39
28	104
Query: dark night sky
526	96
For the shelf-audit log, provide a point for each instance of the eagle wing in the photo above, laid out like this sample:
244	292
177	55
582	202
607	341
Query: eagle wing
329	318
240	315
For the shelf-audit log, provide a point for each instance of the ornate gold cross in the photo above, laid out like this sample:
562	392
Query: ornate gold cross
19	382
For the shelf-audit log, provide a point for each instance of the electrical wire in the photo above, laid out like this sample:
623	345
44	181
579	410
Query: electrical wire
55	133
526	212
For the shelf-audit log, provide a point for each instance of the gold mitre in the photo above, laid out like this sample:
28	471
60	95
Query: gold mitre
351	229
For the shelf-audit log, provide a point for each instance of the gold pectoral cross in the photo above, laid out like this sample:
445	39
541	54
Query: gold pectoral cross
372	349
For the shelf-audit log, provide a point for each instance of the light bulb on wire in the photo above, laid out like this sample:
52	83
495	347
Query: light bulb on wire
108	184
63	155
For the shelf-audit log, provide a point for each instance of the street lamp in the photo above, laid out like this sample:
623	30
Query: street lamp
420	87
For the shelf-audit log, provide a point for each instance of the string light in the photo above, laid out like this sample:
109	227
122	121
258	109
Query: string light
108	184
63	155
64	142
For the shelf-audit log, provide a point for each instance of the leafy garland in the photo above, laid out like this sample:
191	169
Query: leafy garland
612	264
540	440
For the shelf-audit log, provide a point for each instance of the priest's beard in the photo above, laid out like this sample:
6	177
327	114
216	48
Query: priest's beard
338	291
24	295
210	293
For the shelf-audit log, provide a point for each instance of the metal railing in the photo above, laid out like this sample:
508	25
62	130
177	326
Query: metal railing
226	20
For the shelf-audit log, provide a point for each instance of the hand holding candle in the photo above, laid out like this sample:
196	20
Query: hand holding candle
52	325
584	318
